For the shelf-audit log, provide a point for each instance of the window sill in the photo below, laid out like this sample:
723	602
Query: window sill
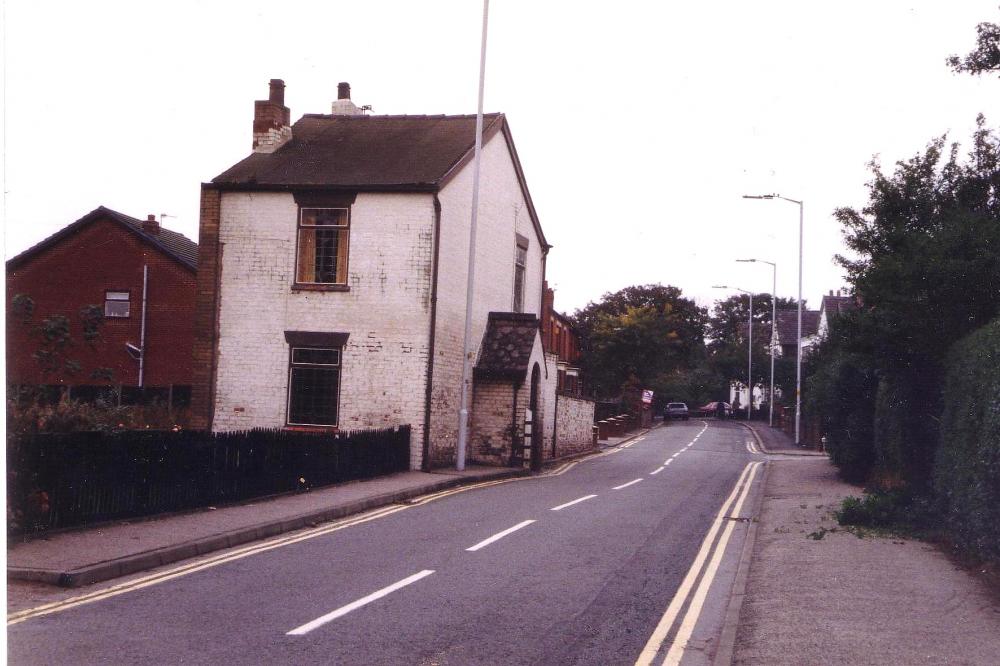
311	428
298	286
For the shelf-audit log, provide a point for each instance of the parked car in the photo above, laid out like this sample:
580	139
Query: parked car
675	410
714	409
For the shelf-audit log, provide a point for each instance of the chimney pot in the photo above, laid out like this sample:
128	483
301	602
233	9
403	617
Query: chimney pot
343	90
277	94
831	292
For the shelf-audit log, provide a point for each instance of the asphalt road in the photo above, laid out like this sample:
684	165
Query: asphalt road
577	567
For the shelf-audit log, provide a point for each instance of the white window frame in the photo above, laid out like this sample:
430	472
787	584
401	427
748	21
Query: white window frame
115	296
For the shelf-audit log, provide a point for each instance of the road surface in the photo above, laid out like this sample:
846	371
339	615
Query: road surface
623	558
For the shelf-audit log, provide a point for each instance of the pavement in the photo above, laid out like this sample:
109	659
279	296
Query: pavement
77	557
816	593
774	440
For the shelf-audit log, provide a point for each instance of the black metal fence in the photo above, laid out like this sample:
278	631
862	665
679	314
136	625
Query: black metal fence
72	479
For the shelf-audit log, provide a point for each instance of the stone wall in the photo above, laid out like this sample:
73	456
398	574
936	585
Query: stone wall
574	426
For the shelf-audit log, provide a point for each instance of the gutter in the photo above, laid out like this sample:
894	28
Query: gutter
425	463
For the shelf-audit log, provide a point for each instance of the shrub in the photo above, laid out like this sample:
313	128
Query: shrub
967	466
841	394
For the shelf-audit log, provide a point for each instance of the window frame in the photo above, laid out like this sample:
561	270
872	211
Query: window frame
520	271
292	364
346	234
109	299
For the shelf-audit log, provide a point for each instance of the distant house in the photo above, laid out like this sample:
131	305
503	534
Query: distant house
786	331
559	337
833	306
140	275
332	285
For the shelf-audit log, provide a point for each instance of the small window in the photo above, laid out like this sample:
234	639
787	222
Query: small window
313	386
322	252
520	265
116	304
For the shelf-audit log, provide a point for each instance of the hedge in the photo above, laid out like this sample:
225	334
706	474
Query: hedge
967	465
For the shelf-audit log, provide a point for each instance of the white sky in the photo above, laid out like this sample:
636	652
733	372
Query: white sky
639	124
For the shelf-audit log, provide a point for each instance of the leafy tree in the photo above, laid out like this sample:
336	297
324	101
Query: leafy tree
727	330
728	323
645	332
927	273
985	58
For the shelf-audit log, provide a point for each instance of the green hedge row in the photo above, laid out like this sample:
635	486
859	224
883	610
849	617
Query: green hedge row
967	466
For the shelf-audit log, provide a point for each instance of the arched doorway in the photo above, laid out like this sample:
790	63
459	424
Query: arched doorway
535	419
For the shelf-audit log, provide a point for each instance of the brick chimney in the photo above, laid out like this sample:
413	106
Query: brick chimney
151	226
272	126
344	106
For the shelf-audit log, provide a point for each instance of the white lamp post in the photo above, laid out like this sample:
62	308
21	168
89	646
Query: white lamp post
463	411
798	360
749	347
774	322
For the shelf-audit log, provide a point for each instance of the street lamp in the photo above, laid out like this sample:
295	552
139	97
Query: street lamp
463	410
749	347
774	322
798	359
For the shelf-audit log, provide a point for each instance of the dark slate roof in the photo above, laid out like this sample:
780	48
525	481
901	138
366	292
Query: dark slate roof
375	154
175	245
398	152
835	305
788	324
507	345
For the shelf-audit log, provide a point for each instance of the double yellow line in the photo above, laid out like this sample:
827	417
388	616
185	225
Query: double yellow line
730	509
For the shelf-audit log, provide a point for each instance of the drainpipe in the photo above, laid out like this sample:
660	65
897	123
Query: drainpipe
142	325
425	462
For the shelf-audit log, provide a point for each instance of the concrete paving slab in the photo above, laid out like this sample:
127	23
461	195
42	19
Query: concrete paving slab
819	596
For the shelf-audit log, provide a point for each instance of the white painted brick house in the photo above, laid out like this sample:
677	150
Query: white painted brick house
332	280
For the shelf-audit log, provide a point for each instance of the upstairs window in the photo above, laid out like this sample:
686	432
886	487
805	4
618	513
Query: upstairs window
323	241
116	304
520	266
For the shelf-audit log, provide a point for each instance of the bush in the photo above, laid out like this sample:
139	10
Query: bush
967	466
891	509
841	394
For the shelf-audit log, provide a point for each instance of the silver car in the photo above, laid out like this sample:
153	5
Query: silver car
675	410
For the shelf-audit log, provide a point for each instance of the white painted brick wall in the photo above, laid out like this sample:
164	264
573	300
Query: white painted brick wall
503	212
386	311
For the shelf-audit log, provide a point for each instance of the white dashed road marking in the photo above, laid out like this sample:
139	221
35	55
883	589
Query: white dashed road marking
498	536
354	605
576	501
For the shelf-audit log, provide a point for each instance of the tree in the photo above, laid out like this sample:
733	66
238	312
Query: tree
728	323
985	58
644	332
927	273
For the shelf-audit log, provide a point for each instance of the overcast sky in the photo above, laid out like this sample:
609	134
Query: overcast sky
639	124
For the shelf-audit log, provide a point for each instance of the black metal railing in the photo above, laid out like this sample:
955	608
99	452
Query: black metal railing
71	479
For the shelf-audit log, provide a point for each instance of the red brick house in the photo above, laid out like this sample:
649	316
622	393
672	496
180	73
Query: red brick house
560	338
143	279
